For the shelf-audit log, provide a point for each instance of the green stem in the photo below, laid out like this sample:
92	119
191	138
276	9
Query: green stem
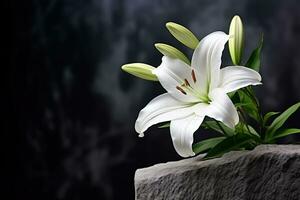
254	99
244	120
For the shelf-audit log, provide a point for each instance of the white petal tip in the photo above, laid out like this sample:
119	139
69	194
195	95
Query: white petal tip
141	135
187	155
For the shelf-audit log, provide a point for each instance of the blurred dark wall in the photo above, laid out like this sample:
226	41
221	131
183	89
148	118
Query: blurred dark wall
75	109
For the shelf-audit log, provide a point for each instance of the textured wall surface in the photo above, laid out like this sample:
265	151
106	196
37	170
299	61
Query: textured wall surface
269	172
74	109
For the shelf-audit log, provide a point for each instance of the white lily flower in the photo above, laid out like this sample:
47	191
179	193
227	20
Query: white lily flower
194	92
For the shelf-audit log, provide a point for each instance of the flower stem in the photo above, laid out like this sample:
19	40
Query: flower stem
244	120
256	103
254	99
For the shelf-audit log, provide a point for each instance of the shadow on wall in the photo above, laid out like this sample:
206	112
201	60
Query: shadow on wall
76	109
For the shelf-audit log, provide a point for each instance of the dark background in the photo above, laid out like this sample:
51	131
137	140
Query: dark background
75	109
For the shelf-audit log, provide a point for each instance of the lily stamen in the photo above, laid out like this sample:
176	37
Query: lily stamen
193	76
186	82
181	90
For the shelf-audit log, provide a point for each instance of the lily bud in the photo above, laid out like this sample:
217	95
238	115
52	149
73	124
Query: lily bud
172	52
236	40
140	70
182	34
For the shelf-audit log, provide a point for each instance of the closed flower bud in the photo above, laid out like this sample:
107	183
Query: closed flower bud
182	34
140	70
236	40
172	52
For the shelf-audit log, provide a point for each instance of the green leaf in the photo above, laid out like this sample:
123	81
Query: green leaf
234	96
172	52
204	145
166	125
214	126
252	131
254	59
280	120
231	94
285	132
268	116
248	105
183	35
234	142
239	105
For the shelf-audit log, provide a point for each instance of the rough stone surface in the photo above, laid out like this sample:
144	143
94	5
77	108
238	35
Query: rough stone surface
267	172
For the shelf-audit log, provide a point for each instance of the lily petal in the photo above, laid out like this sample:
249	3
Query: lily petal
206	60
160	109
182	131
235	77
222	109
172	74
